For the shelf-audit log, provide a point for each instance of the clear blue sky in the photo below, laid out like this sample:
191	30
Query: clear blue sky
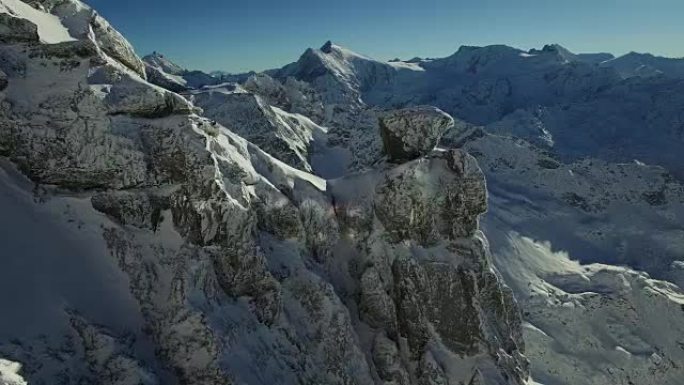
240	35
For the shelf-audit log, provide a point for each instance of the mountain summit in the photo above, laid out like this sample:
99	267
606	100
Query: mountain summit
161	62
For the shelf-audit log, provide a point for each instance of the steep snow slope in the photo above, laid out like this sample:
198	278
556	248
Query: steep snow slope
45	326
239	267
623	214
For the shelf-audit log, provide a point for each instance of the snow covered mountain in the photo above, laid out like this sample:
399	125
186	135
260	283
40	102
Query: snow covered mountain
584	175
298	226
148	244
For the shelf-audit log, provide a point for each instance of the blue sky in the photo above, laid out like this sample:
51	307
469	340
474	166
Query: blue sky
239	35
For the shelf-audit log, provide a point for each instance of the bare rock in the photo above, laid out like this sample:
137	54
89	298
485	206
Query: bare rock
387	359
17	30
413	132
3	81
116	46
376	305
129	96
129	208
441	197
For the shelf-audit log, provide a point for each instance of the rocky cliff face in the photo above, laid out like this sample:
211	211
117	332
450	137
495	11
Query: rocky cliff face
425	285
235	266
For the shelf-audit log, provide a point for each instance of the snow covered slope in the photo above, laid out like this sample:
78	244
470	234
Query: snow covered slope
592	324
49	28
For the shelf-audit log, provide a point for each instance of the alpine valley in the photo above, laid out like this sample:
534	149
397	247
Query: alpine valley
494	217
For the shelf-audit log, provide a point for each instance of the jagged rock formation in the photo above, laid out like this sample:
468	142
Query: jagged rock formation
412	132
420	262
231	265
562	181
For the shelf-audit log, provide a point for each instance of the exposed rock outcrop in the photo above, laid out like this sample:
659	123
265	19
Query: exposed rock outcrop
413	132
115	45
422	262
3	80
17	30
158	77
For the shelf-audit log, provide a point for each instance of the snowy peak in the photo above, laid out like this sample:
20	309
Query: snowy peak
565	55
337	73
474	60
329	58
162	62
327	47
560	52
